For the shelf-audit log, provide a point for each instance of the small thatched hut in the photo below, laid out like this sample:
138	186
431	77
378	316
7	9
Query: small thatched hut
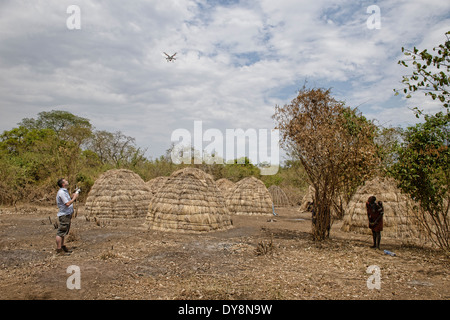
189	202
225	186
249	196
307	203
397	220
307	200
156	183
279	197
118	193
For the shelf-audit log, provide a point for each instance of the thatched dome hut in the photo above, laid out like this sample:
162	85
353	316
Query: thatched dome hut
307	203
189	202
307	200
279	197
225	186
118	193
398	219
249	196
156	183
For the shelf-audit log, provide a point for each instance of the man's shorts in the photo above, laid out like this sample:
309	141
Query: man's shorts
64	225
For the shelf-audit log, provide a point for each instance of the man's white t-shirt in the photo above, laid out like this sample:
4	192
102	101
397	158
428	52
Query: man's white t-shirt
62	197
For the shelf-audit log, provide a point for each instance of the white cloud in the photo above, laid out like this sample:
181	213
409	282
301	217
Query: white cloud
235	61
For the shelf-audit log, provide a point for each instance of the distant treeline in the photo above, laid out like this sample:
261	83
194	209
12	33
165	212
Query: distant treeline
36	153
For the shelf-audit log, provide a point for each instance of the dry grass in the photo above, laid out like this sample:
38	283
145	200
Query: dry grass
124	262
108	255
264	247
73	236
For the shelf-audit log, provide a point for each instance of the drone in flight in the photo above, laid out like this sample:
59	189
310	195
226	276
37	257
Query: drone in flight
170	58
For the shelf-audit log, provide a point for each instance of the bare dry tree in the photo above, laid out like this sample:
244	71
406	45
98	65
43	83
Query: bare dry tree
335	145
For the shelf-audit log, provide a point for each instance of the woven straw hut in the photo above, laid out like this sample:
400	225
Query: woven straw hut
249	196
189	202
397	220
156	183
279	197
225	186
307	199
118	193
307	203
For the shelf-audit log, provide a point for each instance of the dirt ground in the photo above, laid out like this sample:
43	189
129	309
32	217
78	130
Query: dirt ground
119	260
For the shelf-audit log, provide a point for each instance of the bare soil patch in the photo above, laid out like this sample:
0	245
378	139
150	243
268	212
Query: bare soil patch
119	260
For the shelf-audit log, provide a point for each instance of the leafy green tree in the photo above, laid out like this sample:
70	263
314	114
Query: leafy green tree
57	120
116	149
12	179
423	171
59	144
388	141
238	169
430	73
32	149
73	132
423	165
30	154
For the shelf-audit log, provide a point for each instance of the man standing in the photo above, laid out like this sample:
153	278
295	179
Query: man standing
375	214
65	206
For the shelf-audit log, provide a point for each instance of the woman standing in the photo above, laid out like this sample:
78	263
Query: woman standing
375	213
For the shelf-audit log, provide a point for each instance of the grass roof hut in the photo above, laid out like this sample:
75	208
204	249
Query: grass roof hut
398	221
156	183
307	203
307	200
225	186
118	193
189	202
249	196
279	197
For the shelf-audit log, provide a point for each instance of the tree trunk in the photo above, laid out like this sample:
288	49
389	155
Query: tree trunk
321	221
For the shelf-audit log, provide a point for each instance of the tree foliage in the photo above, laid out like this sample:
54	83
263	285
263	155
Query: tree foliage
55	144
430	73
58	144
388	141
423	164
334	143
56	120
115	148
423	171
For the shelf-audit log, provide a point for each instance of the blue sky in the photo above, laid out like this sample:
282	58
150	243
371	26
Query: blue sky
236	60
